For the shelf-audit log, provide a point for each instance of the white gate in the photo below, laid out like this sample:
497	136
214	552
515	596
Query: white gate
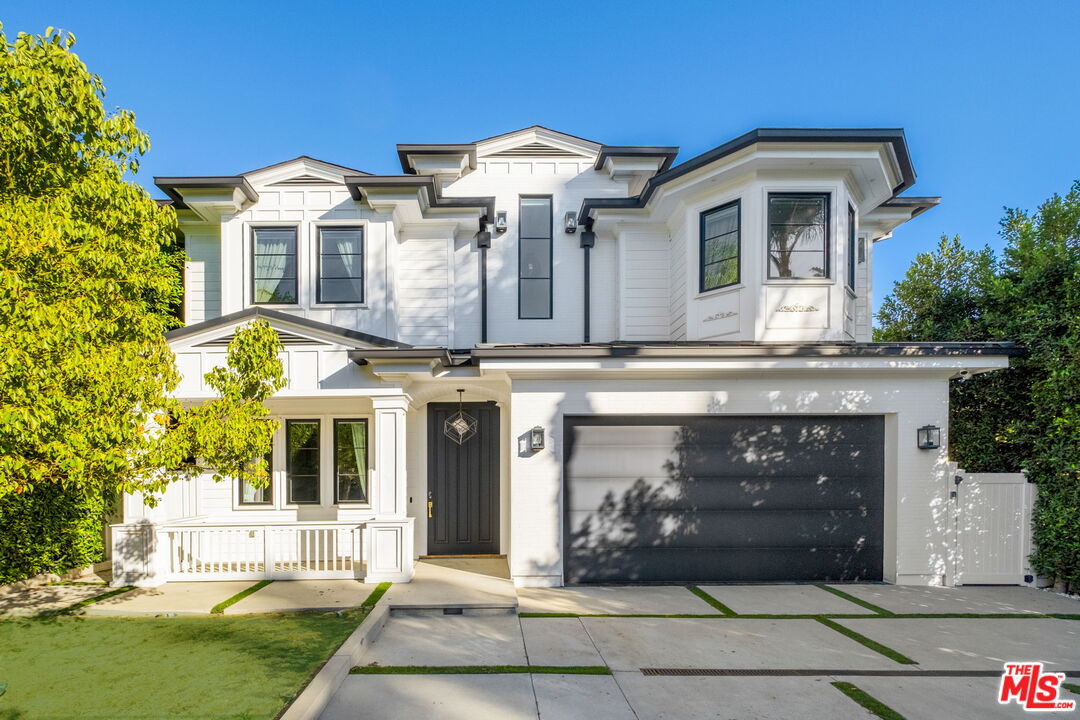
993	528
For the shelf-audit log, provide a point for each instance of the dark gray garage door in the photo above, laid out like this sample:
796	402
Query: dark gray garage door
724	498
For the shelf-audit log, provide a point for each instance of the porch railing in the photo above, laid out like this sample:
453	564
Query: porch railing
239	551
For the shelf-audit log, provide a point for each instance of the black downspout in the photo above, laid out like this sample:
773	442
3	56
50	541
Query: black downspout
483	241
588	240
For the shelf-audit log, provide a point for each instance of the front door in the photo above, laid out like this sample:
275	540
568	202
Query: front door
463	483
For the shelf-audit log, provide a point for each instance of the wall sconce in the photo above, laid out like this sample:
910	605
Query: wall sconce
536	439
929	437
500	221
570	222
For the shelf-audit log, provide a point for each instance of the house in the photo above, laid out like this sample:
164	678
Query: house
606	365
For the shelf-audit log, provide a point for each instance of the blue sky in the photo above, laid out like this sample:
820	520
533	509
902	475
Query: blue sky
987	91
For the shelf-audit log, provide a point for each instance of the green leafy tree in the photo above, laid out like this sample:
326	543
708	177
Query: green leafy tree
1027	417
90	272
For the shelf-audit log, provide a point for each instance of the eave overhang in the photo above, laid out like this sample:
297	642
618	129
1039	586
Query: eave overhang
389	190
764	350
345	336
434	159
175	187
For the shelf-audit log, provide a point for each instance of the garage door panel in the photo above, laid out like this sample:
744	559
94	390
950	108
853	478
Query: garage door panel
724	498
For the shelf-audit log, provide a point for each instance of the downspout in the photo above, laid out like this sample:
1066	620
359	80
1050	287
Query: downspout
588	240
483	242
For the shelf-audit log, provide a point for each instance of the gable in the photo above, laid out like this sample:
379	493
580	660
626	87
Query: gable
537	149
537	141
292	329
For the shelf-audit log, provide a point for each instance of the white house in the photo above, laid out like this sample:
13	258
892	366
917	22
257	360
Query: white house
664	371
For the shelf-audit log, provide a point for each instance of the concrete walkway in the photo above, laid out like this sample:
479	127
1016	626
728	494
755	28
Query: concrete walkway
626	645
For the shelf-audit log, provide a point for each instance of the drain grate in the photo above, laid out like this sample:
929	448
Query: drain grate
753	672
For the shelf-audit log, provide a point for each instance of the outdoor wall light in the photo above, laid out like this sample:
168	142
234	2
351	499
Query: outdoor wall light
536	439
500	221
570	222
929	437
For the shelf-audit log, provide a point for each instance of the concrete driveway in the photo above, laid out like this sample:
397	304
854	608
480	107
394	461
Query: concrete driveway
711	660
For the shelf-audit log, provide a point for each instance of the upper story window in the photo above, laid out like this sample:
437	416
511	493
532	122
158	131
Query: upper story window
534	258
798	235
274	265
851	247
720	246
302	461
350	461
341	265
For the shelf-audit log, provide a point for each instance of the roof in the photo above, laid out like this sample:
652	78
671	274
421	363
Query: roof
347	170
260	313
751	349
168	185
534	127
893	136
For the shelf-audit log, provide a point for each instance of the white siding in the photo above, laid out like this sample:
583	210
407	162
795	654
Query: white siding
645	297
423	291
202	274
678	289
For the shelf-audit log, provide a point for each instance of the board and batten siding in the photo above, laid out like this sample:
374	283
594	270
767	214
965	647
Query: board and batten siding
645	295
202	274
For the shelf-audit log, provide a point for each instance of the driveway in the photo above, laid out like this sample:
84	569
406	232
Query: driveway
721	652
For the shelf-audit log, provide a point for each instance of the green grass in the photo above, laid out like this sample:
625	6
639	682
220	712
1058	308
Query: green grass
480	670
220	607
222	667
710	599
376	595
852	598
1075	689
77	582
869	702
863	640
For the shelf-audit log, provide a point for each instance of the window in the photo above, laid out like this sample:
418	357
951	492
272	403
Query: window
274	265
534	258
341	265
251	495
350	461
720	246
798	235
851	247
302	461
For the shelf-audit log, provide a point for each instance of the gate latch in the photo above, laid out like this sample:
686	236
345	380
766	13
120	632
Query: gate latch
956	483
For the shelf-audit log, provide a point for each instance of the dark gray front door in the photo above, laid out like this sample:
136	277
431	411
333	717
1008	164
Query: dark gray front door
463	483
724	498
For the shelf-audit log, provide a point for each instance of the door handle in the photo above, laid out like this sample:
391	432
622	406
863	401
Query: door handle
429	508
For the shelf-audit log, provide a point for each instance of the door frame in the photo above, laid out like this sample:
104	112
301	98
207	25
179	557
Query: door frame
434	435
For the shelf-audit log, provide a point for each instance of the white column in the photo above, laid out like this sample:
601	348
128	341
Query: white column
390	493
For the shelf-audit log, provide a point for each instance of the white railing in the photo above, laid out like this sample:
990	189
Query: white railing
252	551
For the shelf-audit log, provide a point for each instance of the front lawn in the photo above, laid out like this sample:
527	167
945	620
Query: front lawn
111	668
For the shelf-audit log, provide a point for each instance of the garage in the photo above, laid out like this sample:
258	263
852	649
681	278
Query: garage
723	498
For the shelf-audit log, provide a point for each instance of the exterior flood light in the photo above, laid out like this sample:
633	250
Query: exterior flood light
536	439
500	221
570	222
929	437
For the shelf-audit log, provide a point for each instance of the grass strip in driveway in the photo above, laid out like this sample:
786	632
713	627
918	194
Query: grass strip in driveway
852	598
711	600
376	595
1074	689
220	607
480	670
70	609
863	640
868	701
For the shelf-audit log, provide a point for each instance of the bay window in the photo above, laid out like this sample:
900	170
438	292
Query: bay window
798	235
720	240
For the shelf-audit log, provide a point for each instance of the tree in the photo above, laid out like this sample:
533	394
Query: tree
1026	417
90	270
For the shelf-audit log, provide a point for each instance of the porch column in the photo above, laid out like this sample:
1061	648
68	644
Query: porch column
389	536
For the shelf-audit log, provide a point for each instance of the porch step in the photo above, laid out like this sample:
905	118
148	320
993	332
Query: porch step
451	609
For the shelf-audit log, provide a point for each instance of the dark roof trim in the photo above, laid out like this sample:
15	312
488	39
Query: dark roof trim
894	136
405	150
429	186
668	153
361	357
346	170
254	313
736	349
917	205
169	186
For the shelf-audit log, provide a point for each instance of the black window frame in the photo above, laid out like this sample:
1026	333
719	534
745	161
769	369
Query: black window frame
296	261
269	488
827	195
319	265
551	257
367	461
318	462
852	242
737	203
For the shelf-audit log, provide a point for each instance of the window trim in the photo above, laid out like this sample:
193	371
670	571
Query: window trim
318	264
737	203
367	460
551	257
253	229
269	487
288	463
827	278
852	243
